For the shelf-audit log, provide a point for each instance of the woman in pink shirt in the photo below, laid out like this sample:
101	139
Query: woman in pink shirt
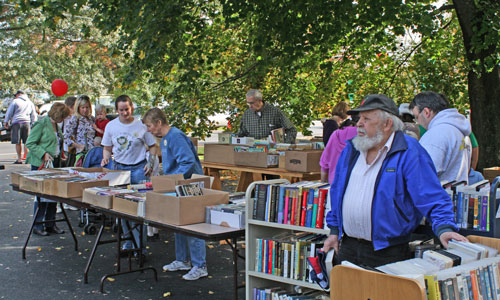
335	145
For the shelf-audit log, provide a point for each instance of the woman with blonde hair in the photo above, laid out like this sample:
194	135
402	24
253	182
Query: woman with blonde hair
45	143
339	115
79	131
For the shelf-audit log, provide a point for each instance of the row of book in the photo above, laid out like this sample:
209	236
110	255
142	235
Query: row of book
279	293
471	205
286	254
300	204
463	271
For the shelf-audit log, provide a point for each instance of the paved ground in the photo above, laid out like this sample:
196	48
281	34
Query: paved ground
54	270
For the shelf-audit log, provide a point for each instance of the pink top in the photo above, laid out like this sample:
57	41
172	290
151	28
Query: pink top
332	151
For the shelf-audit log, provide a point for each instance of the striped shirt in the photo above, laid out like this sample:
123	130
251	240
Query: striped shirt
259	126
358	197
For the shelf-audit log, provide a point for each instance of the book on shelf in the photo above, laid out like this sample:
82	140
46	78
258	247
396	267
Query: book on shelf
300	204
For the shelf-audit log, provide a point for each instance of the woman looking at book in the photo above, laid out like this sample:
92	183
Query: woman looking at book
78	131
45	144
179	157
129	141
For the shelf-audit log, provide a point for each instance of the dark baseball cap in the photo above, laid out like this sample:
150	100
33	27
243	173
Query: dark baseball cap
376	101
18	92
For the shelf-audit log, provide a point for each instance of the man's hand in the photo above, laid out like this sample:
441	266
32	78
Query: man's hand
104	162
147	170
331	242
450	235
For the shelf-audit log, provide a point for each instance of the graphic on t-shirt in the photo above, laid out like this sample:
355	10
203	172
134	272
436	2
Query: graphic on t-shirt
124	141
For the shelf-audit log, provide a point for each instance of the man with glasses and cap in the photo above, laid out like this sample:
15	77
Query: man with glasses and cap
22	114
385	182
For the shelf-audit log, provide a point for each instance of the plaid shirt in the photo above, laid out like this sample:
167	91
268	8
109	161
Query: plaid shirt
260	127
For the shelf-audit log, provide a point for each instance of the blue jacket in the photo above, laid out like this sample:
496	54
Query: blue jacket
179	155
406	189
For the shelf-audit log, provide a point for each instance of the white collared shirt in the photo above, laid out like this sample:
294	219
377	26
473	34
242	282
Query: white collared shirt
358	197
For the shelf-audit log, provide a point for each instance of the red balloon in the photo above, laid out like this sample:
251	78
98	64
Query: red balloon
59	87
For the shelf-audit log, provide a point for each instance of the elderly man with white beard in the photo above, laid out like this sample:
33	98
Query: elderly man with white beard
385	182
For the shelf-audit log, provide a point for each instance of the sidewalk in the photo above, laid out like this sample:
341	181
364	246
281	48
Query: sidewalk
54	270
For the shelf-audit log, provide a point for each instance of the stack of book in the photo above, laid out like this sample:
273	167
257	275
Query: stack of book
279	293
300	204
463	271
286	254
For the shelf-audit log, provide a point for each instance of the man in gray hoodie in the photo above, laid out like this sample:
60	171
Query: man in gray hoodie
21	114
447	137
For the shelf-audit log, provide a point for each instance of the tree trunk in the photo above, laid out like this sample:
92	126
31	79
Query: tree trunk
484	87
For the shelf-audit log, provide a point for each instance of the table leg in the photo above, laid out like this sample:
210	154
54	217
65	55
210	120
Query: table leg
69	225
31	231
92	254
245	178
216	185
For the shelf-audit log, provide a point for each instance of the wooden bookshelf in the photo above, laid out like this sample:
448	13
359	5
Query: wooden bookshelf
261	229
352	283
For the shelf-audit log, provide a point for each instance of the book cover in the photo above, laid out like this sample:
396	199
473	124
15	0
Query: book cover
475	286
323	193
298	204
294	207
476	212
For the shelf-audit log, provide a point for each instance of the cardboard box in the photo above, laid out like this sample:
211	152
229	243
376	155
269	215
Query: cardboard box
219	153
31	183
225	137
256	159
281	161
71	189
227	219
130	204
168	182
102	196
181	210
491	173
115	177
15	177
303	161
243	140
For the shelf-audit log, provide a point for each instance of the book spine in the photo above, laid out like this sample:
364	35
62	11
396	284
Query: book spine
469	286
294	208
261	202
260	251
488	213
272	210
475	286
281	204
465	214
470	222
297	209
286	207
286	262
315	208
310	200
255	201
272	257
303	208
476	212
291	264
484	212
268	203
321	207
458	203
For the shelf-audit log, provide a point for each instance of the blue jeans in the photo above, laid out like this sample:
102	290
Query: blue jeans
197	251
46	210
136	176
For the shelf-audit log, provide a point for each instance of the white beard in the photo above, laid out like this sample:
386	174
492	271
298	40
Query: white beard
365	143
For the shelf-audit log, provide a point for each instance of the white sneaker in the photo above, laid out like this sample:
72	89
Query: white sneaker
69	207
196	273
177	266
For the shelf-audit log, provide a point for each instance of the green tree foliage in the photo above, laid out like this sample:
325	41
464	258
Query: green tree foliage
34	54
199	57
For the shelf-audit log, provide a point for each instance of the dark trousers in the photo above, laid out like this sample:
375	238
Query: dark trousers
361	252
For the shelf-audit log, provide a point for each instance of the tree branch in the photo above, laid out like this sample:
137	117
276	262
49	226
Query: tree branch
14	28
233	78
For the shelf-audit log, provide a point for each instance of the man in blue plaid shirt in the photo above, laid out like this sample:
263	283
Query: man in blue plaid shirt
261	118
